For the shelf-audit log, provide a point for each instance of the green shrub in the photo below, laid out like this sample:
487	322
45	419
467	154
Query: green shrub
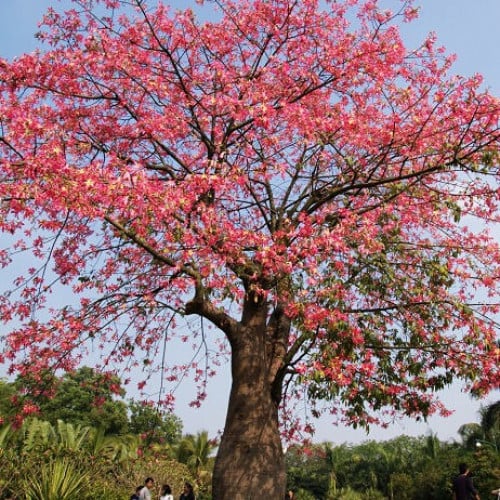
58	480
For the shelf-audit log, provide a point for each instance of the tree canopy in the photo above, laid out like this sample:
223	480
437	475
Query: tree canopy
153	424
289	172
83	397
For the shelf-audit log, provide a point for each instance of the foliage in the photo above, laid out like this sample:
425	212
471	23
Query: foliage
308	470
402	486
113	449
403	468
296	179
163	469
196	452
490	424
57	480
154	425
8	461
35	458
470	433
487	432
42	437
304	495
7	410
83	397
56	461
347	494
485	468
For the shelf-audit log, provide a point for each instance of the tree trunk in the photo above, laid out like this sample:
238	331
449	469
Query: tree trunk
250	463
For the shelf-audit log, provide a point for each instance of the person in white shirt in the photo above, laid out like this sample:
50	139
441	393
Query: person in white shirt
166	493
145	493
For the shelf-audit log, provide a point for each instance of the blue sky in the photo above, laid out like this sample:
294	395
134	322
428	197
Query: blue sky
471	29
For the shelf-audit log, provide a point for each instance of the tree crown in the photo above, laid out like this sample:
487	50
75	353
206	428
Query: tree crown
283	163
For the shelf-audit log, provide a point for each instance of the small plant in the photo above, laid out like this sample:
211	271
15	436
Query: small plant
58	480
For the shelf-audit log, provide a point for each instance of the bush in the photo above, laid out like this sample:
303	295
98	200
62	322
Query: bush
57	480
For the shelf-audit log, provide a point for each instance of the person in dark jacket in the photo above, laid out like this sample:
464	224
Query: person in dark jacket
463	486
135	496
188	493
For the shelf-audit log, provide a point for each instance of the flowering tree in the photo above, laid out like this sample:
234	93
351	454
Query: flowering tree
290	173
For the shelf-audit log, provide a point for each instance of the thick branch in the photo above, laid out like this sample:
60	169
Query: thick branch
203	307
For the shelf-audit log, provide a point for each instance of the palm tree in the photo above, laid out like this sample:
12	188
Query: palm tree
487	431
42	436
71	437
112	448
490	424
195	451
470	433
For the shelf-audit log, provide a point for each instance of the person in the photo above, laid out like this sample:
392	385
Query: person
289	495
135	496
166	493
463	487
145	493
187	493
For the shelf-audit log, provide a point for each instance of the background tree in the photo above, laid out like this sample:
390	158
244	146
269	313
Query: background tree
486	470
309	468
82	397
196	452
490	424
155	425
404	468
292	177
486	432
470	433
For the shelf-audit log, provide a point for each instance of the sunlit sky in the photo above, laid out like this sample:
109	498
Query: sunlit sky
470	29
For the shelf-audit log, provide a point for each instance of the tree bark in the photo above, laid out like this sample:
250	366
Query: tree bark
250	463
